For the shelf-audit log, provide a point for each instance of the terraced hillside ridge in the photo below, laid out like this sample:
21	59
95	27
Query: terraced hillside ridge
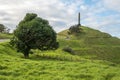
95	56
92	44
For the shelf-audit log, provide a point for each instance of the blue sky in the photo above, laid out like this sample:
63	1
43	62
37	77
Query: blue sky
103	15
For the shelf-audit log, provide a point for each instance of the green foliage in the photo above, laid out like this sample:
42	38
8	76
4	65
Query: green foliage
34	33
30	16
2	28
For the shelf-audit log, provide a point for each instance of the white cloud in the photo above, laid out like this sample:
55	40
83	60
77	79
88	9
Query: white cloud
61	14
94	17
54	11
83	7
112	4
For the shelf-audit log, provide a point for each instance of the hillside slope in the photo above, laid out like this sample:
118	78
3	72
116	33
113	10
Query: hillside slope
92	44
96	57
14	67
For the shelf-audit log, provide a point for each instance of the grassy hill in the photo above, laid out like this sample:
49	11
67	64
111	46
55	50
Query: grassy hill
96	57
92	44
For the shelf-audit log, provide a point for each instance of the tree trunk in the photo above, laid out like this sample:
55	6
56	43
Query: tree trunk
26	54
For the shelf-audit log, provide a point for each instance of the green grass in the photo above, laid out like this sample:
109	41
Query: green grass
97	57
5	36
13	67
92	44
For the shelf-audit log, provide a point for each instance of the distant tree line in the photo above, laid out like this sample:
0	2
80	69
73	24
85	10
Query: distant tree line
4	29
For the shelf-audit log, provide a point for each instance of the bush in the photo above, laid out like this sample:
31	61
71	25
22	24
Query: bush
68	49
74	29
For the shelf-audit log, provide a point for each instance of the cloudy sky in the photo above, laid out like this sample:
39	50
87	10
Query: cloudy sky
103	15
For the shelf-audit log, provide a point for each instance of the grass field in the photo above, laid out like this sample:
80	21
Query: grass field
5	36
97	57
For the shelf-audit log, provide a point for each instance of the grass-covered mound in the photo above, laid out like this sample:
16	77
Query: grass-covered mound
92	44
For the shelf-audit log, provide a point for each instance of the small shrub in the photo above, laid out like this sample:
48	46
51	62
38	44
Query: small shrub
68	49
74	29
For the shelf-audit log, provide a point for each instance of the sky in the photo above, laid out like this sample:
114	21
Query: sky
103	15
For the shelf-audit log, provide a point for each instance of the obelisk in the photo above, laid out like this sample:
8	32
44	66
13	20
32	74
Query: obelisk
79	19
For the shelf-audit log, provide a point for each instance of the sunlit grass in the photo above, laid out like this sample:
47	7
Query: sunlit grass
94	59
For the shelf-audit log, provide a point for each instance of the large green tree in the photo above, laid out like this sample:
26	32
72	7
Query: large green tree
34	33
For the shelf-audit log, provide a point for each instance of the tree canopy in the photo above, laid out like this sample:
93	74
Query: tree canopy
34	33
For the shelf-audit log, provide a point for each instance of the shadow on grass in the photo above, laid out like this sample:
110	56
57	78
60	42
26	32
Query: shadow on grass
109	76
55	58
81	76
